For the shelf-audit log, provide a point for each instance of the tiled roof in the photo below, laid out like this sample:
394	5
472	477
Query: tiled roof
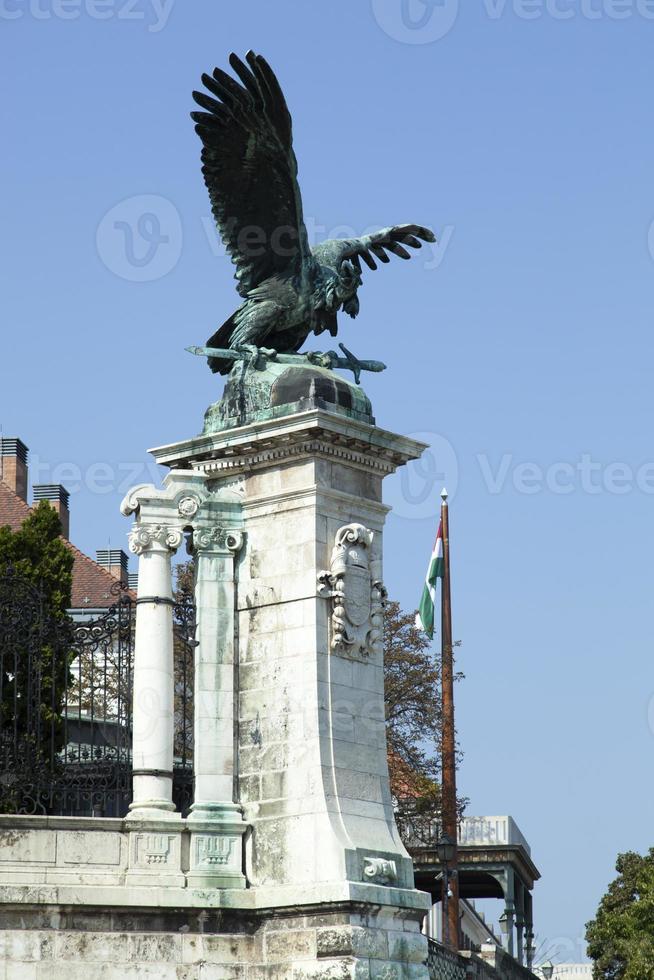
92	584
13	510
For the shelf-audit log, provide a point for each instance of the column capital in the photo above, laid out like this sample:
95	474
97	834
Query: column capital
216	540
155	537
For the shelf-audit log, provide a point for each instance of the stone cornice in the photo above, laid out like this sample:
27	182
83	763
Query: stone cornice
308	434
296	450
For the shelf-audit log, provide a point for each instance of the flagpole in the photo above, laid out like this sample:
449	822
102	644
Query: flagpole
450	902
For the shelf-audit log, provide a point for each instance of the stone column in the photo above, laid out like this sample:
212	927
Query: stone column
153	682
215	821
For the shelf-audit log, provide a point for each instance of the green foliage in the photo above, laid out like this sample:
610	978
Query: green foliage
621	936
39	555
184	654
412	695
35	592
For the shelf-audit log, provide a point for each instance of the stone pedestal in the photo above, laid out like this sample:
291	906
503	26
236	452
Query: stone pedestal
308	596
289	864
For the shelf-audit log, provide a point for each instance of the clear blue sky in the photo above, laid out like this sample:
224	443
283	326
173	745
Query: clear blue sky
521	349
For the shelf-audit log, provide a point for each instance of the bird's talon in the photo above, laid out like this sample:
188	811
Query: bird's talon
320	359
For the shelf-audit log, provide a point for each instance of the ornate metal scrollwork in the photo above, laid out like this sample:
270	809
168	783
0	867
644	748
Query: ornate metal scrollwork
353	582
65	704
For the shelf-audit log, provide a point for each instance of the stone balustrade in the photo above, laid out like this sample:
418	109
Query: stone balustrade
489	831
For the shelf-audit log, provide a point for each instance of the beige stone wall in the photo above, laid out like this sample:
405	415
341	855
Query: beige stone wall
313	776
329	946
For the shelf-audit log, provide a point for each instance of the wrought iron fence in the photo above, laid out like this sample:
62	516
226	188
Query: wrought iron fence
418	826
443	964
65	704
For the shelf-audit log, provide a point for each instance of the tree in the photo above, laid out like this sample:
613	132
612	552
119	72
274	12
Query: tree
621	936
184	628
413	724
35	653
38	554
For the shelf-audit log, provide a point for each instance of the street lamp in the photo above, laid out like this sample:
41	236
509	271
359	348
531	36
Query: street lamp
547	969
445	849
445	852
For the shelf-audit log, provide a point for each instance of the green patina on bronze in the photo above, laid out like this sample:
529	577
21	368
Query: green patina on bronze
255	392
289	289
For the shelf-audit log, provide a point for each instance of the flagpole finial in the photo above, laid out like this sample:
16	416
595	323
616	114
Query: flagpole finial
444	495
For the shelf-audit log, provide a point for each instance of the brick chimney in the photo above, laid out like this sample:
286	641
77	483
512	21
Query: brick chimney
13	465
58	497
115	561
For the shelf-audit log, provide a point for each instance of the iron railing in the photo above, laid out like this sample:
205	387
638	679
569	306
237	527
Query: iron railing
444	964
65	704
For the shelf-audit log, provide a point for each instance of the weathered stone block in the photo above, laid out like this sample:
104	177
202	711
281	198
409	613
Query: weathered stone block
164	948
225	950
407	948
28	846
290	945
93	947
16	946
74	847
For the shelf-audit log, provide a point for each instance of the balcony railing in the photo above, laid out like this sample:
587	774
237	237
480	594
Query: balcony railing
485	831
443	964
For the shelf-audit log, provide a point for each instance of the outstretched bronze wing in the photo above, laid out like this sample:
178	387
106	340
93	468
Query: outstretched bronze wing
250	170
335	251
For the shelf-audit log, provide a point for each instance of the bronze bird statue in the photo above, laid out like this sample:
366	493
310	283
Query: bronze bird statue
289	289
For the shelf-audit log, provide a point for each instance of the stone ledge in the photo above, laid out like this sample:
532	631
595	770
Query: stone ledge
250	899
268	442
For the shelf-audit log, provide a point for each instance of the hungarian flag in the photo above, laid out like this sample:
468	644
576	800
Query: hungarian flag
425	617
